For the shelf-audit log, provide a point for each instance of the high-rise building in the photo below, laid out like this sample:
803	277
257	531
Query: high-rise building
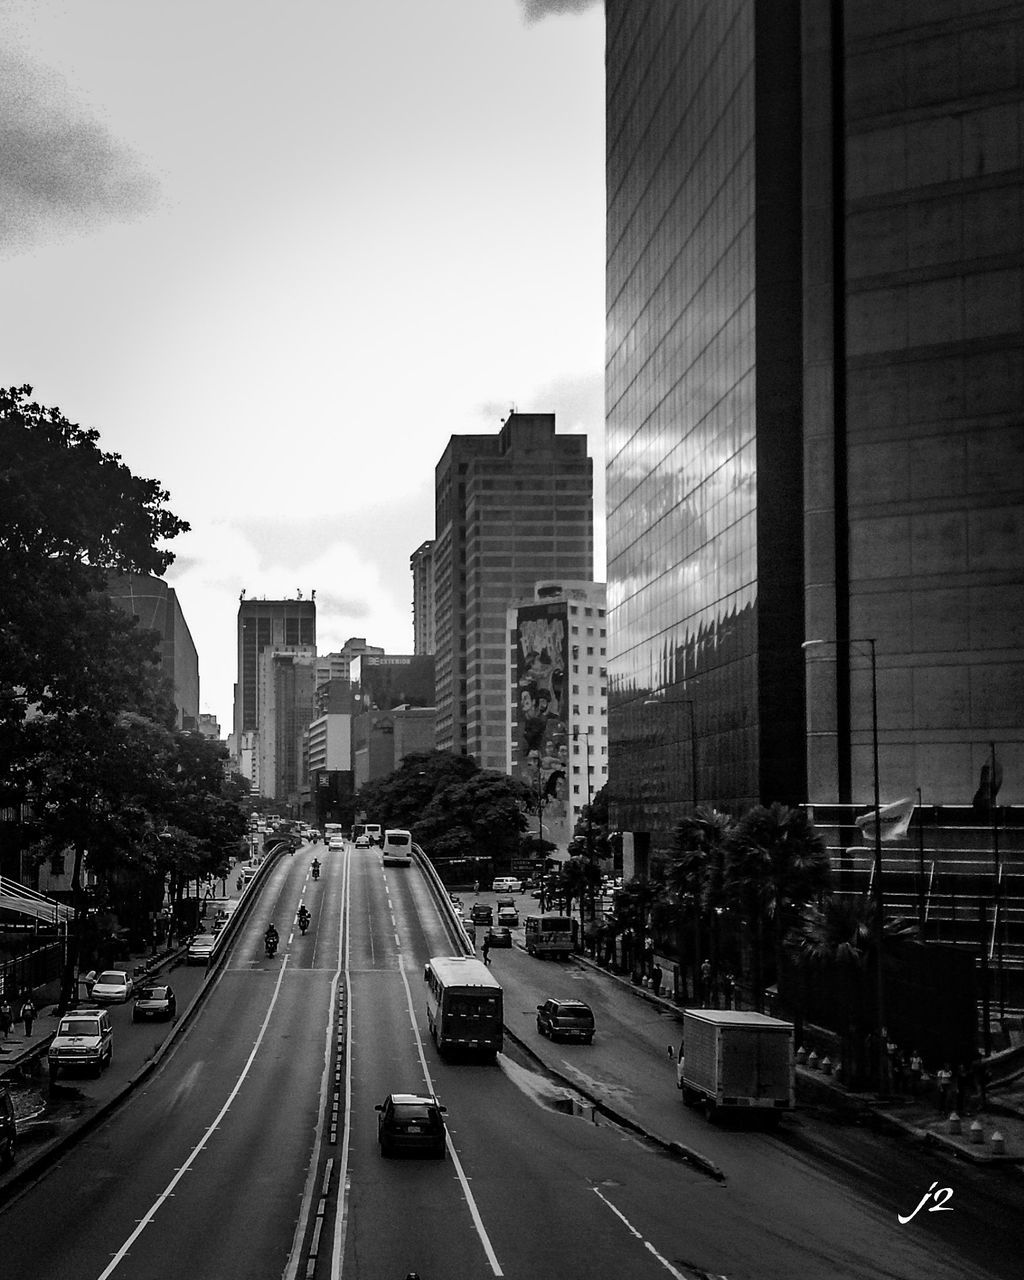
286	681
557	727
510	509
266	624
421	562
393	679
157	607
338	665
814	391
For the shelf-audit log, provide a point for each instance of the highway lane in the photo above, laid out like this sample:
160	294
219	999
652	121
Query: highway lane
204	1172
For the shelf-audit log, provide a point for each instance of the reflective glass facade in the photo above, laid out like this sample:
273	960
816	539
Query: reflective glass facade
703	409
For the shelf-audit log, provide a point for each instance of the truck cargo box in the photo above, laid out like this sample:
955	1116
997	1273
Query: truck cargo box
734	1060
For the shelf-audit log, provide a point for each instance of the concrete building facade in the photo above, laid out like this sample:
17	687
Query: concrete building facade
263	624
421	563
510	509
158	609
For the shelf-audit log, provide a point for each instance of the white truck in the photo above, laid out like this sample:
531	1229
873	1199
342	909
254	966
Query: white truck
737	1061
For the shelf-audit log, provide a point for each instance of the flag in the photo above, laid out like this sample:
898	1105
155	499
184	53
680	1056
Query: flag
895	819
988	787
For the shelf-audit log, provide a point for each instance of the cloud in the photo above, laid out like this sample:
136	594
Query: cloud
535	10
60	170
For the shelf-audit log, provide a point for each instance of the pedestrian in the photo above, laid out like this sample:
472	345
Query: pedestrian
729	986
944	1088
28	1014
656	976
476	886
6	1018
705	981
916	1072
897	1068
485	951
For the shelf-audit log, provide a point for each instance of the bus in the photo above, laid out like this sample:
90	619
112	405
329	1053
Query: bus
397	848
464	1007
332	829
549	935
372	829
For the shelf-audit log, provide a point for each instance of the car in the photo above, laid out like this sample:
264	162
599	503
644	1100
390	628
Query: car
505	900
337	843
456	901
84	1038
411	1122
481	913
8	1127
566	1020
509	916
200	949
507	884
156	1001
498	936
113	986
362	842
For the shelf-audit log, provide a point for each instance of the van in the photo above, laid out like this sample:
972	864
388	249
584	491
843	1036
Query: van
549	935
397	848
507	884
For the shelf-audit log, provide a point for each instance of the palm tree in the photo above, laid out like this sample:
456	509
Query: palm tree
578	879
696	878
776	862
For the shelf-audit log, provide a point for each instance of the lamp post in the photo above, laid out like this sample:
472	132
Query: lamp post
878	892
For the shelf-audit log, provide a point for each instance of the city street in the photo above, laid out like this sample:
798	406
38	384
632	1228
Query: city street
224	1157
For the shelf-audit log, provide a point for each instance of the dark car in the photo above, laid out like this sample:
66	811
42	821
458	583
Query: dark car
481	913
509	916
566	1020
154	1002
499	936
411	1122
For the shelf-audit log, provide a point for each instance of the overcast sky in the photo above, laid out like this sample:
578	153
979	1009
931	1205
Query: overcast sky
277	253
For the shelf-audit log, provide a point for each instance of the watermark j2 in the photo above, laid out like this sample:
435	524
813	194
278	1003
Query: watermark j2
940	1206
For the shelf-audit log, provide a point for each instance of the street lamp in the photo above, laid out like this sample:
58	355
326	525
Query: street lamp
879	896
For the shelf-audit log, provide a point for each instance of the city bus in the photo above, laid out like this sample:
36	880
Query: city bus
549	935
397	848
332	829
464	1007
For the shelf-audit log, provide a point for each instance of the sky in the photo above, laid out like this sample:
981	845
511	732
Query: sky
278	253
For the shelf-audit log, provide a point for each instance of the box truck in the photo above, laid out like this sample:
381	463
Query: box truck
736	1061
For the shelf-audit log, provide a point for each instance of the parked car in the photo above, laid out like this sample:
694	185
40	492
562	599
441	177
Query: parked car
8	1127
411	1122
509	916
84	1038
499	936
200	949
154	1002
566	1020
481	913
113	986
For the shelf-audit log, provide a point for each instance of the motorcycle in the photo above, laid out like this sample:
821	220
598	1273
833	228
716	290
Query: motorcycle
316	871
271	947
303	924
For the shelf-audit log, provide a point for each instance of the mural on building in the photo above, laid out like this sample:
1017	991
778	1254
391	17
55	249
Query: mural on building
542	746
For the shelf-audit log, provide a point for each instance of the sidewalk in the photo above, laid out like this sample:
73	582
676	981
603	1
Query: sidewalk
1002	1115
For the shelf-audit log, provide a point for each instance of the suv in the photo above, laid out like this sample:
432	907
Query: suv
508	915
411	1122
84	1038
482	913
566	1020
507	884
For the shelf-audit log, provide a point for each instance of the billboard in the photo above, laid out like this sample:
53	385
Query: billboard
541	753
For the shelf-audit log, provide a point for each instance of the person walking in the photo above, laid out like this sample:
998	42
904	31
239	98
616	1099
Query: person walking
656	976
485	951
28	1014
916	1071
944	1088
6	1018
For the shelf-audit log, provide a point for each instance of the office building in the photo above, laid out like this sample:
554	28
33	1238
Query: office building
510	509
390	680
421	563
814	391
263	624
286	685
557	726
157	607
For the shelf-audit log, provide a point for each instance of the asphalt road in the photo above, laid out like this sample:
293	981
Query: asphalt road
233	1159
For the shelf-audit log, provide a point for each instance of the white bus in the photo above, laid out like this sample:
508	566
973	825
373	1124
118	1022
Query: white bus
549	935
464	1006
397	848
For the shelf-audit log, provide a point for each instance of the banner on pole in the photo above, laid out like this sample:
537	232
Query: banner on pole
894	820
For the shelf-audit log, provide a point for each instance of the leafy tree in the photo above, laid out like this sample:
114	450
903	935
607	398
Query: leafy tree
776	862
696	880
401	798
483	815
577	880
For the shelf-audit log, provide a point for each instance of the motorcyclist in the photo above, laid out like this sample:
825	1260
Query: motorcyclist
271	938
303	918
316	869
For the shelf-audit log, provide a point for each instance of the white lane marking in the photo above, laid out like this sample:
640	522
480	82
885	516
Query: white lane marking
478	1221
312	1175
168	1191
341	1211
646	1243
